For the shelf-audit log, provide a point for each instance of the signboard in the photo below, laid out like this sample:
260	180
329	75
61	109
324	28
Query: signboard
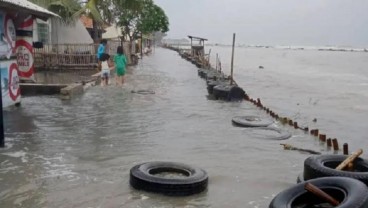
9	82
24	49
25	57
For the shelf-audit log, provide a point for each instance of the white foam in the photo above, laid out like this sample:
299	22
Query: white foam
20	154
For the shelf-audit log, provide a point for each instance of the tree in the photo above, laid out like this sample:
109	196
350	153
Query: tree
153	19
64	8
105	11
148	19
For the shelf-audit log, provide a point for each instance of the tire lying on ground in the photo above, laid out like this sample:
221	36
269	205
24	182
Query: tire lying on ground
280	134
349	192
251	121
149	177
324	166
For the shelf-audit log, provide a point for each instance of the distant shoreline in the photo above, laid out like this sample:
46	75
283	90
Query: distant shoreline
318	48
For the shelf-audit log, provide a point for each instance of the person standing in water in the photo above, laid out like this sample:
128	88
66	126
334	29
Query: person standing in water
105	69
101	50
120	66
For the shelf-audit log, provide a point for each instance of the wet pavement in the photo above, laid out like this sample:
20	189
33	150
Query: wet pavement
78	153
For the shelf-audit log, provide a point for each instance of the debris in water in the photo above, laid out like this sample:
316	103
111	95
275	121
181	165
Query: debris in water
289	147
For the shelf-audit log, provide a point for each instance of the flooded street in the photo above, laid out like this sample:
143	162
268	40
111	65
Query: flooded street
78	153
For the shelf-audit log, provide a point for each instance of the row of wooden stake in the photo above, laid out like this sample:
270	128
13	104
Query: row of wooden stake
331	142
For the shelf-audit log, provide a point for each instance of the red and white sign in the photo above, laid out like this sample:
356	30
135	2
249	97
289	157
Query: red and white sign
14	89
10	82
25	57
27	24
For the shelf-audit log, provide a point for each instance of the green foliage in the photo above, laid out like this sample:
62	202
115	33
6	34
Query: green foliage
134	16
146	19
153	19
64	8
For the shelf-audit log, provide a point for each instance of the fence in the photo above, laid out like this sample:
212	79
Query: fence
76	56
66	56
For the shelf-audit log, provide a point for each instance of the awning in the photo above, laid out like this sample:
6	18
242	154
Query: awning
27	7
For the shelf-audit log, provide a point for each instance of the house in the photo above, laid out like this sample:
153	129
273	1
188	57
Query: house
16	49
55	31
88	24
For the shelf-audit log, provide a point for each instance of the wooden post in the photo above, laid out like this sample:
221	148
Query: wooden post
329	142
232	61
316	132
209	56
291	122
335	144
346	149
141	45
321	194
350	159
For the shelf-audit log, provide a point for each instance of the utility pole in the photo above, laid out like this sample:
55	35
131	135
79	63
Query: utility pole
232	61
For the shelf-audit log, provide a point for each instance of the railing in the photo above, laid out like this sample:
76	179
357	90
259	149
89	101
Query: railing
76	56
66	56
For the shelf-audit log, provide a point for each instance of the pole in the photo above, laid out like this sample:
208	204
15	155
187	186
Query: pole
2	138
141	45
208	61
216	61
232	61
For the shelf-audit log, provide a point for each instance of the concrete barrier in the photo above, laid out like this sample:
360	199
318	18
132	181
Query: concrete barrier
71	91
29	89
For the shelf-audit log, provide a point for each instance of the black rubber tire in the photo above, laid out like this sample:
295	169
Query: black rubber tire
221	91
141	179
349	192
236	94
324	166
283	135
212	83
251	121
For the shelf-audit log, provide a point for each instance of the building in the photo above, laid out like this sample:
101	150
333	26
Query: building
16	45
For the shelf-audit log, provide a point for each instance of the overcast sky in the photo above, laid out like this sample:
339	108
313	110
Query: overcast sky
271	22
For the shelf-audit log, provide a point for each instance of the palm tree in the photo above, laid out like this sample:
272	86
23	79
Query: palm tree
105	11
64	8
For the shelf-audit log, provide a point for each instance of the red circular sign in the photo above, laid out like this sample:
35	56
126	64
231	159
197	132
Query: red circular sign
14	89
28	46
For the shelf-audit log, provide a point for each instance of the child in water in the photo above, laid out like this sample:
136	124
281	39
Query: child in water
105	69
120	65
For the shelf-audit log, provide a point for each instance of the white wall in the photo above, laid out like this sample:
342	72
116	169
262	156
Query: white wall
61	33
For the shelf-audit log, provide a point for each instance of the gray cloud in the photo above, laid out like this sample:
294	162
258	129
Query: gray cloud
271	22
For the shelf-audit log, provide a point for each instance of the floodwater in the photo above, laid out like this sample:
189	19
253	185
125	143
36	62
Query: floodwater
78	153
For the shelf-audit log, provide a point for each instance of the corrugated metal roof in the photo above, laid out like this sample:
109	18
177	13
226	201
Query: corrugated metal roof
28	6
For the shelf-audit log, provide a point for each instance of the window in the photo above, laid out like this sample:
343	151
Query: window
43	32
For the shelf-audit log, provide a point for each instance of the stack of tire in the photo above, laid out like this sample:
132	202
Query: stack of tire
348	187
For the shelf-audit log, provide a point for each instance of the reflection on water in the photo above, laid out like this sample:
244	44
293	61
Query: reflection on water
78	153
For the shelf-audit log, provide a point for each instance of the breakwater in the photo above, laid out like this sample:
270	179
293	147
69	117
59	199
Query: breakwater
219	83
